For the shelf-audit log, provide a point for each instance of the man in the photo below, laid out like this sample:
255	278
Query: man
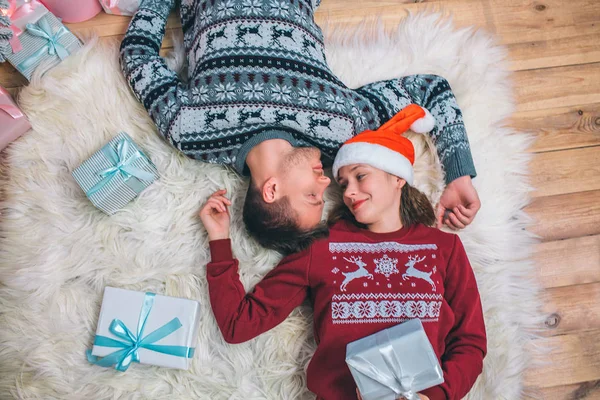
260	97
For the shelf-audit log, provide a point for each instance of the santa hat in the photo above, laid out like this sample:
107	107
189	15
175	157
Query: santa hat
386	148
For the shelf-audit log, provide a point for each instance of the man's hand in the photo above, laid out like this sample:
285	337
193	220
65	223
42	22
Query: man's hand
459	204
215	215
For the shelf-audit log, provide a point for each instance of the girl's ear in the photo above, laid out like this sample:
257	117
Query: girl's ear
400	182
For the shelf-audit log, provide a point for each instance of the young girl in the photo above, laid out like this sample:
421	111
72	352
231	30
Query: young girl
381	265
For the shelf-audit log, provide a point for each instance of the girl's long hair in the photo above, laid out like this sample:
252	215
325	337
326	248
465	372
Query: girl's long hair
415	208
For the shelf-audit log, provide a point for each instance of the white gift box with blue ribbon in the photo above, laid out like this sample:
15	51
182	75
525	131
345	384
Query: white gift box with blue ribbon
395	362
44	40
116	174
145	327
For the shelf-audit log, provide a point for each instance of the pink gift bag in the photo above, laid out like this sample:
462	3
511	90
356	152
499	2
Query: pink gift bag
73	10
13	123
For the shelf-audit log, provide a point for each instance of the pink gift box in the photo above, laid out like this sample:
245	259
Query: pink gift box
120	7
13	123
71	11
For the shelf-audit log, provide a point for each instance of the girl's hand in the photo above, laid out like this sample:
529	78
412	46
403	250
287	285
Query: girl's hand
215	215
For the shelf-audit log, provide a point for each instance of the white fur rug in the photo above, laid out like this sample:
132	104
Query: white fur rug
57	252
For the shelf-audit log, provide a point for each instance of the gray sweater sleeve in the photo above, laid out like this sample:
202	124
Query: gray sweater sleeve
433	93
156	86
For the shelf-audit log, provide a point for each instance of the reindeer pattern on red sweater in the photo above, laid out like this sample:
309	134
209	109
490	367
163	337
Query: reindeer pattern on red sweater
384	282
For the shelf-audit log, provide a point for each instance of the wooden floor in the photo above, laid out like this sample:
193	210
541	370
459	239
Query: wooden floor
554	47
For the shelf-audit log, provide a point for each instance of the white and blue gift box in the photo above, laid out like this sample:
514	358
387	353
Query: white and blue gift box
145	327
116	174
398	361
43	41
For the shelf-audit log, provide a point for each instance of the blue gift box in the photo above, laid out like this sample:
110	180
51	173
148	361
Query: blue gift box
45	41
116	174
395	362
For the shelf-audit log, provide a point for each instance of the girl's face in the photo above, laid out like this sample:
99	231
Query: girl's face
372	195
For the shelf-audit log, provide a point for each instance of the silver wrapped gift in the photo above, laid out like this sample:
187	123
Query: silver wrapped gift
395	362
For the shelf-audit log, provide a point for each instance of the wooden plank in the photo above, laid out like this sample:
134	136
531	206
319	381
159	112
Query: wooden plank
536	54
547	33
568	262
561	128
10	78
565	216
110	25
557	87
578	391
565	171
574	358
572	309
538	34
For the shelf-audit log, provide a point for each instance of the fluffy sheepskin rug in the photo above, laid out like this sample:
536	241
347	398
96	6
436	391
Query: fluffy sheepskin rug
57	252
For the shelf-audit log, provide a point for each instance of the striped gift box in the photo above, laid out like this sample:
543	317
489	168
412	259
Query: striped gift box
46	49
116	174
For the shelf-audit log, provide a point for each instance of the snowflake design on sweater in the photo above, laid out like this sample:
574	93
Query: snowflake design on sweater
226	9
386	265
254	91
225	91
279	8
172	108
335	102
360	120
281	93
335	270
308	97
252	7
301	16
200	94
206	16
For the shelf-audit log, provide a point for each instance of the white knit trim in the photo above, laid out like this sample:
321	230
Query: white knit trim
425	124
376	156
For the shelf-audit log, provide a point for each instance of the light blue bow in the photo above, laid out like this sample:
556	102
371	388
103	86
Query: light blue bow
123	358
43	29
121	165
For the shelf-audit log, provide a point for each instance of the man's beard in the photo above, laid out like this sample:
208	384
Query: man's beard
298	156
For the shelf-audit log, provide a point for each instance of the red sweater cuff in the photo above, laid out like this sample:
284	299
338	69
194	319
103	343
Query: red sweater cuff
435	393
220	250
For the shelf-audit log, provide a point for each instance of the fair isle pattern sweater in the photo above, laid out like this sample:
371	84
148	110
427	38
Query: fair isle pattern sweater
359	283
257	71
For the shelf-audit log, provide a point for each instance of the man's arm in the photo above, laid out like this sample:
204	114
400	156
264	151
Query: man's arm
155	85
460	202
433	93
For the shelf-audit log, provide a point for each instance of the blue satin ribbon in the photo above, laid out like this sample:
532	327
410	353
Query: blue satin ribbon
43	29
121	359
121	165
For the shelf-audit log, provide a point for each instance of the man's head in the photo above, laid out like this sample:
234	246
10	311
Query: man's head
284	212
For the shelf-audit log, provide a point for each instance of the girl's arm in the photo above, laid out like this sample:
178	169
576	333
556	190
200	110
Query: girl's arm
242	316
156	86
466	344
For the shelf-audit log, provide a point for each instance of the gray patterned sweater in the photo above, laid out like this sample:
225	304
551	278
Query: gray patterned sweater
257	71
